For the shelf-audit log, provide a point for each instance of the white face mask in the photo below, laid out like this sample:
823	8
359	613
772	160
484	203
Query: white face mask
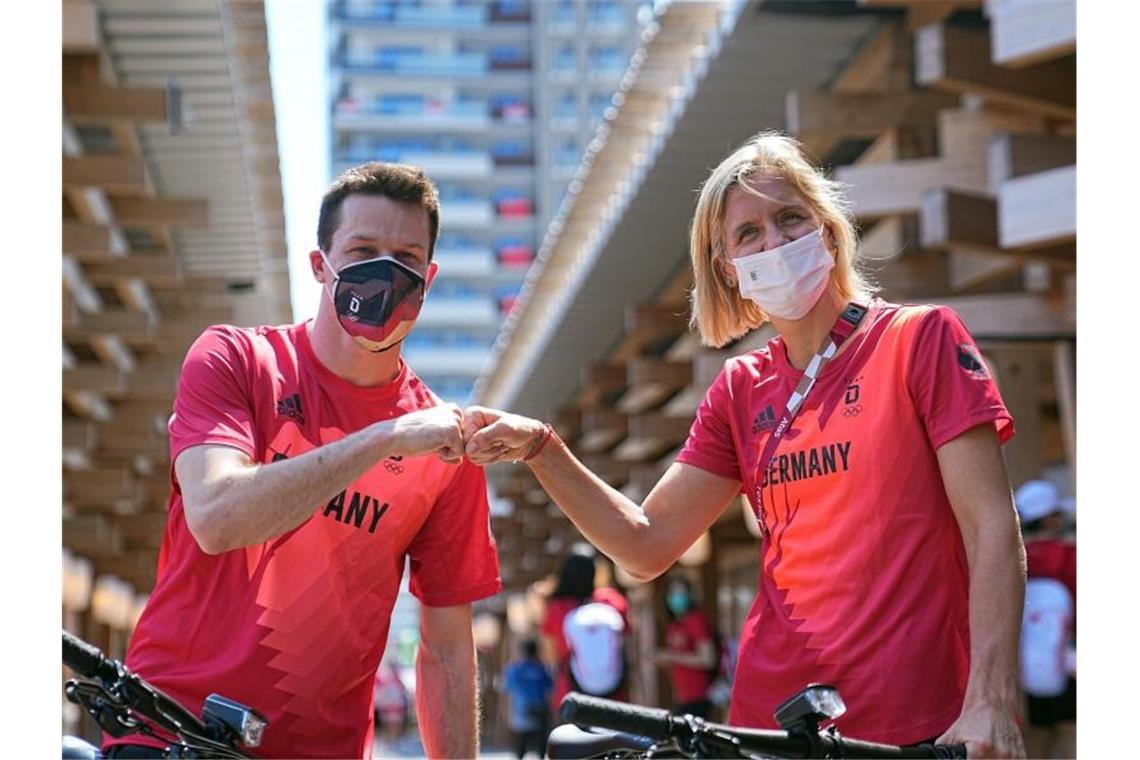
787	281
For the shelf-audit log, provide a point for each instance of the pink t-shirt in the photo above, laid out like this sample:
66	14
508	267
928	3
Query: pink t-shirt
295	627
863	581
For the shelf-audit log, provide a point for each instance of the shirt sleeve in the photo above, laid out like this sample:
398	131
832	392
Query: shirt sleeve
213	403
951	386
453	557
710	445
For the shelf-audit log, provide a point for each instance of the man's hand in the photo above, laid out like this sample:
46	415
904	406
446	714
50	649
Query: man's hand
987	731
494	436
430	431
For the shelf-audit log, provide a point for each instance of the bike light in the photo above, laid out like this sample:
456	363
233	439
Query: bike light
816	703
252	727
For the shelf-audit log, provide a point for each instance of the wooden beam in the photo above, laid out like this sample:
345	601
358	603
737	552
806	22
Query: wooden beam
1015	155
167	212
112	350
970	270
113	173
1026	33
92	536
91	102
1013	316
88	404
831	115
89	242
159	270
79	440
1038	210
80	27
128	325
651	382
955	59
953	218
601	381
82	291
96	378
649	327
601	429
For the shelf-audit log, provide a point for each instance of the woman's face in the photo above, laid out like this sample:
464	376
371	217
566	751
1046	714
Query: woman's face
774	215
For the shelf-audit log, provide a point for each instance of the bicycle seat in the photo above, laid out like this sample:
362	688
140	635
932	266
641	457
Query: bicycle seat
570	741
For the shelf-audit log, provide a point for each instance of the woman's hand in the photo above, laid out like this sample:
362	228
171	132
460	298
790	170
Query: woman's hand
496	436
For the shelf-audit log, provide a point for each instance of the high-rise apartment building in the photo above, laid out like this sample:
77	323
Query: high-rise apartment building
496	100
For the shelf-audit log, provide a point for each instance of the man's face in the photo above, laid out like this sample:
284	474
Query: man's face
372	226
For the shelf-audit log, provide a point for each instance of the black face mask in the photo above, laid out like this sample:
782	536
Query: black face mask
376	300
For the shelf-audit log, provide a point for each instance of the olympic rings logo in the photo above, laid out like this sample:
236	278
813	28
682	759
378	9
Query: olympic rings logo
852	410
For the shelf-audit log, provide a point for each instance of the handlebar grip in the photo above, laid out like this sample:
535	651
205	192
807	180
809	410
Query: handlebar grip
654	723
953	751
85	659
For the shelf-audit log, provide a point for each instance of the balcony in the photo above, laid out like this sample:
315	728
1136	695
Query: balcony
407	63
351	115
428	359
413	17
463	311
470	262
465	213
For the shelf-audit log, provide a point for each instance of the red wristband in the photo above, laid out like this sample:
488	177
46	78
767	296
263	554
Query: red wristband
547	432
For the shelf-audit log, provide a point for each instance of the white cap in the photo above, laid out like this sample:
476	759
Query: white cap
1037	499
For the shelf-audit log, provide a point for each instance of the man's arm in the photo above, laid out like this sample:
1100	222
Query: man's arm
978	489
231	501
644	540
445	682
703	657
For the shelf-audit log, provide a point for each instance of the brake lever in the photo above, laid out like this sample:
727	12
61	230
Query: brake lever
110	712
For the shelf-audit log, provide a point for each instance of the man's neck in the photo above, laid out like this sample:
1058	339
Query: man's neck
803	336
339	353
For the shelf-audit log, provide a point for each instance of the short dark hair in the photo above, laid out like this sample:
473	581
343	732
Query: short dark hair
400	182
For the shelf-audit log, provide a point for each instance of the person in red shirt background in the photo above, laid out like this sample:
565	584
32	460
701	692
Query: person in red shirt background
1049	626
309	464
575	587
690	650
867	437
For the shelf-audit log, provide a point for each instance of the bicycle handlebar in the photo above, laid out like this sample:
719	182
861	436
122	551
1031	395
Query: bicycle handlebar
86	660
658	724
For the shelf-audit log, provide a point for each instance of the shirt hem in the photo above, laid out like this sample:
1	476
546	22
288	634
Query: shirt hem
994	414
708	465
473	594
205	440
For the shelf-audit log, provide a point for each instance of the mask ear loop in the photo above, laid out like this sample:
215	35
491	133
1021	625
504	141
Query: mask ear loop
335	274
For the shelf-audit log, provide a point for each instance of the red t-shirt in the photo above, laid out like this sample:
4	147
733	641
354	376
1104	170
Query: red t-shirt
863	581
295	627
556	611
1053	558
685	635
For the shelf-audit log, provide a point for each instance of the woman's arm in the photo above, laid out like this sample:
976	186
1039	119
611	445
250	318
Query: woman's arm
978	488
645	540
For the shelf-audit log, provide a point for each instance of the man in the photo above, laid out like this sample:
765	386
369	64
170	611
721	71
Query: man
308	462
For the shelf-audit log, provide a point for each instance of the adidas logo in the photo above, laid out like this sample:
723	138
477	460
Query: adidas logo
291	407
766	420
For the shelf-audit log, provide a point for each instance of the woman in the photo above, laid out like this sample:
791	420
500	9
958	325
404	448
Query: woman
891	563
690	650
575	588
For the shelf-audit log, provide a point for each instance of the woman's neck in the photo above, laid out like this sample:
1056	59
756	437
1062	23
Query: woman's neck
803	336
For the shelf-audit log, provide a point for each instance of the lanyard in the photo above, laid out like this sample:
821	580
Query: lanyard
848	321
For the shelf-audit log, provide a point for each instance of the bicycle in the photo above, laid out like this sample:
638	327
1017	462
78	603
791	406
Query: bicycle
633	731
123	703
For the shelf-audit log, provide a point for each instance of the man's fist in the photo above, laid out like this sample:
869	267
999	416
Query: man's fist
495	436
436	431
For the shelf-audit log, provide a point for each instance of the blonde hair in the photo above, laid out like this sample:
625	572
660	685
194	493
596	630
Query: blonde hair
720	313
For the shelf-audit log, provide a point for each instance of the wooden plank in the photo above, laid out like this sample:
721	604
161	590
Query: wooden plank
171	212
80	27
77	284
1026	33
128	325
649	327
600	381
154	269
79	440
923	14
970	270
112	350
651	382
956	59
89	405
601	429
1038	210
114	173
835	115
1015	155
1013	315
952	218
92	536
85	103
92	241
96	378
1065	383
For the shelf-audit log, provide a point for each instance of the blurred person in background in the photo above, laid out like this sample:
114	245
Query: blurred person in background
867	436
309	464
1049	625
392	703
690	651
528	686
608	610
